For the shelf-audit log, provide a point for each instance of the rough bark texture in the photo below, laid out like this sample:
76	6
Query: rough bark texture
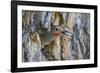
51	36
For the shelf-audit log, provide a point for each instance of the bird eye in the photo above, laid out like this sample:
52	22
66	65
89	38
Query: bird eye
56	29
